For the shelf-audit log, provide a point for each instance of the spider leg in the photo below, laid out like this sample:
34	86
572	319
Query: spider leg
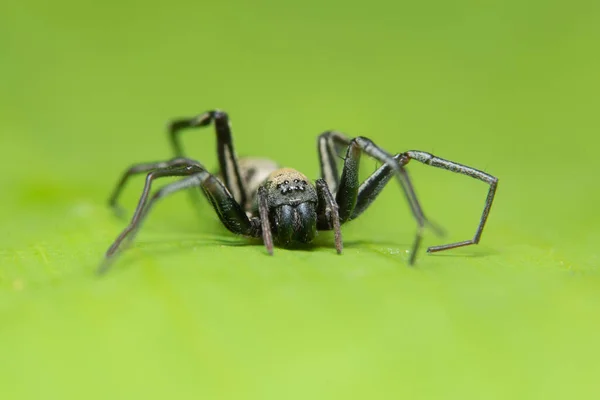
327	213
140	169
228	161
353	199
229	211
330	146
374	184
347	195
185	183
263	212
430	159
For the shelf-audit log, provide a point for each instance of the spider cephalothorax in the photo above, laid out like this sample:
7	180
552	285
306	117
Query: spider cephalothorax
292	206
254	197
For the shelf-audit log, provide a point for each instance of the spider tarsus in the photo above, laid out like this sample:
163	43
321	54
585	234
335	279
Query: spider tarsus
339	245
104	266
434	249
415	247
413	258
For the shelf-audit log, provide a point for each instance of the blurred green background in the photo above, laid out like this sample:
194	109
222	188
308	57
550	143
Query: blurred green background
190	311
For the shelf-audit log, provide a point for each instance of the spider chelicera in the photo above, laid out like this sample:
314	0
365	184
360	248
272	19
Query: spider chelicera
254	197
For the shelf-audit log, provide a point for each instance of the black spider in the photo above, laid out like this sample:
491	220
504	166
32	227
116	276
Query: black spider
255	197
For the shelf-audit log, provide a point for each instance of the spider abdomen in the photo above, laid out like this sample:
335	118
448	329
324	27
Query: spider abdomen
254	172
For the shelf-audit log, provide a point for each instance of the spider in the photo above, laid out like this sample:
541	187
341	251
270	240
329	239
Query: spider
254	197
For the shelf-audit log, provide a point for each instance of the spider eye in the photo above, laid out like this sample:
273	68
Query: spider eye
286	182
296	181
304	182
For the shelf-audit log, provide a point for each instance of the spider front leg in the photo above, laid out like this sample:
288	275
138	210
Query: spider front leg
228	210
353	199
328	217
331	143
430	159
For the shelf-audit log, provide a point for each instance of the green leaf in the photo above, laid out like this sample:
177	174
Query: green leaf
191	311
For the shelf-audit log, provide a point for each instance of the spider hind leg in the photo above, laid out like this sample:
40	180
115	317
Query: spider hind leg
230	213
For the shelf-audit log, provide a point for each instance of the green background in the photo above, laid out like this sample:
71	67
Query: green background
193	312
